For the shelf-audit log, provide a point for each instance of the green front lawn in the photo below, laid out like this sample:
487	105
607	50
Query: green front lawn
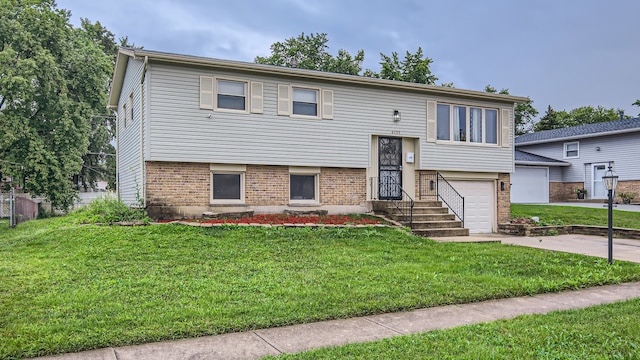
574	215
68	287
601	332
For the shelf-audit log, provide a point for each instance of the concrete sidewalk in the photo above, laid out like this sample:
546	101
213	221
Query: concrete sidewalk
298	338
623	249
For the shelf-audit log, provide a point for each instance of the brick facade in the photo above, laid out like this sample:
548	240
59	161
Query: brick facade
503	197
564	191
177	184
630	186
342	186
266	185
170	184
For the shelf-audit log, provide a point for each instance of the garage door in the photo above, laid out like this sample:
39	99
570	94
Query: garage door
530	185
479	205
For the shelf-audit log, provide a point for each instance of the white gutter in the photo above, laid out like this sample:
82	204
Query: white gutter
115	113
541	163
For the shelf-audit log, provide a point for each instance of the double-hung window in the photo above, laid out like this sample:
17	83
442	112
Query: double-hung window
571	150
305	102
304	185
231	95
467	124
227	183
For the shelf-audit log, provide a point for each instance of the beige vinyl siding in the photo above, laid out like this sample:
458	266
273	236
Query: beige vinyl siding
181	131
129	138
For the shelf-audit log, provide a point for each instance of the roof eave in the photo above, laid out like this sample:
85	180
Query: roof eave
541	163
117	81
576	137
319	75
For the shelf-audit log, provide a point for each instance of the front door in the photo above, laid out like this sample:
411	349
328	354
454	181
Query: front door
598	191
389	168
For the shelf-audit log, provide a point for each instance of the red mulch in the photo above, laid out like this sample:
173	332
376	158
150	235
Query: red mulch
275	219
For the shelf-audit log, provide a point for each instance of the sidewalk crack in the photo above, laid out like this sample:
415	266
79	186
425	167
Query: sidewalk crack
268	343
385	326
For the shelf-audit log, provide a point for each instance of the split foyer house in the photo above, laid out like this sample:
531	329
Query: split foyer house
551	165
201	135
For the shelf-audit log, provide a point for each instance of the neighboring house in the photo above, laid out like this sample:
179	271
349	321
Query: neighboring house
551	165
201	135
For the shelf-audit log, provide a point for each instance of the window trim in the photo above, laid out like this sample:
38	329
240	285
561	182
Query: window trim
318	102
228	169
305	171
566	145
483	125
247	89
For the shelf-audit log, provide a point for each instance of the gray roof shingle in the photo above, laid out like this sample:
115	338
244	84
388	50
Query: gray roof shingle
525	157
588	130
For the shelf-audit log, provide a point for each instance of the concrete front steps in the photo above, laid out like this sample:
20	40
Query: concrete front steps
430	218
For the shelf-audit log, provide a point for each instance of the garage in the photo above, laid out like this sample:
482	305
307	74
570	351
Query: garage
530	185
479	205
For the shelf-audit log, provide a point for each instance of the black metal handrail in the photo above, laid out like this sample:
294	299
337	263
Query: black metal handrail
436	186
402	201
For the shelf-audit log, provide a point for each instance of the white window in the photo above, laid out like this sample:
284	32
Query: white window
304	185
227	183
130	108
231	95
305	102
466	124
571	150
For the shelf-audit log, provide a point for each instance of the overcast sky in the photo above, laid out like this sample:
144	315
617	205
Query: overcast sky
563	53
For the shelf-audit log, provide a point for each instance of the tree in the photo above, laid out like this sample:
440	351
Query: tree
550	120
53	80
578	116
637	103
310	52
414	68
523	112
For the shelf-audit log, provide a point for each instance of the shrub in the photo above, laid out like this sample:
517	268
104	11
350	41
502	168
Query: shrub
108	211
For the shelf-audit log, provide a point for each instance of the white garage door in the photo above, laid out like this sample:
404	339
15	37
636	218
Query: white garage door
479	205
530	185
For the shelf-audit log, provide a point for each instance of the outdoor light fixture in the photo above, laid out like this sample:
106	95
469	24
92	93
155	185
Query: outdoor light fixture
610	181
501	185
396	115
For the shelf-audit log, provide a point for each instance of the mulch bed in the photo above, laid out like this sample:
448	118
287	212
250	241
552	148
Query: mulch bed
282	219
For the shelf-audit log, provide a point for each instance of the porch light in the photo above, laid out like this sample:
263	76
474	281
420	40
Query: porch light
396	115
610	181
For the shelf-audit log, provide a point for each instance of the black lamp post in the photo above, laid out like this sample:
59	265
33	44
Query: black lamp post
610	181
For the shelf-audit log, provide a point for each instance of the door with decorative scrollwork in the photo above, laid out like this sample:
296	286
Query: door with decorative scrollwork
389	168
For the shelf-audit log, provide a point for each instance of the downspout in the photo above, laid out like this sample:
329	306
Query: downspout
115	114
142	107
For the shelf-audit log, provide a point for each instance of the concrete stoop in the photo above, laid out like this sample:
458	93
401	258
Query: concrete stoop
430	219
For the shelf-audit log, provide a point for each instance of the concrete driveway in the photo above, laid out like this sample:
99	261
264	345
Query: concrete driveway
623	249
634	207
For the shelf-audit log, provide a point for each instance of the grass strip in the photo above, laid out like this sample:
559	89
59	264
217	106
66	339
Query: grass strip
609	331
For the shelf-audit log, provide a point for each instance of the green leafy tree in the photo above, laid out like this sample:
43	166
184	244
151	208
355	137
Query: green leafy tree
524	113
637	103
578	116
53	80
311	52
415	68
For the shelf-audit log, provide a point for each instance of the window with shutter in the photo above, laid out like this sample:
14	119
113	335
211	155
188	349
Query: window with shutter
283	99
231	95
327	104
257	106
206	92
